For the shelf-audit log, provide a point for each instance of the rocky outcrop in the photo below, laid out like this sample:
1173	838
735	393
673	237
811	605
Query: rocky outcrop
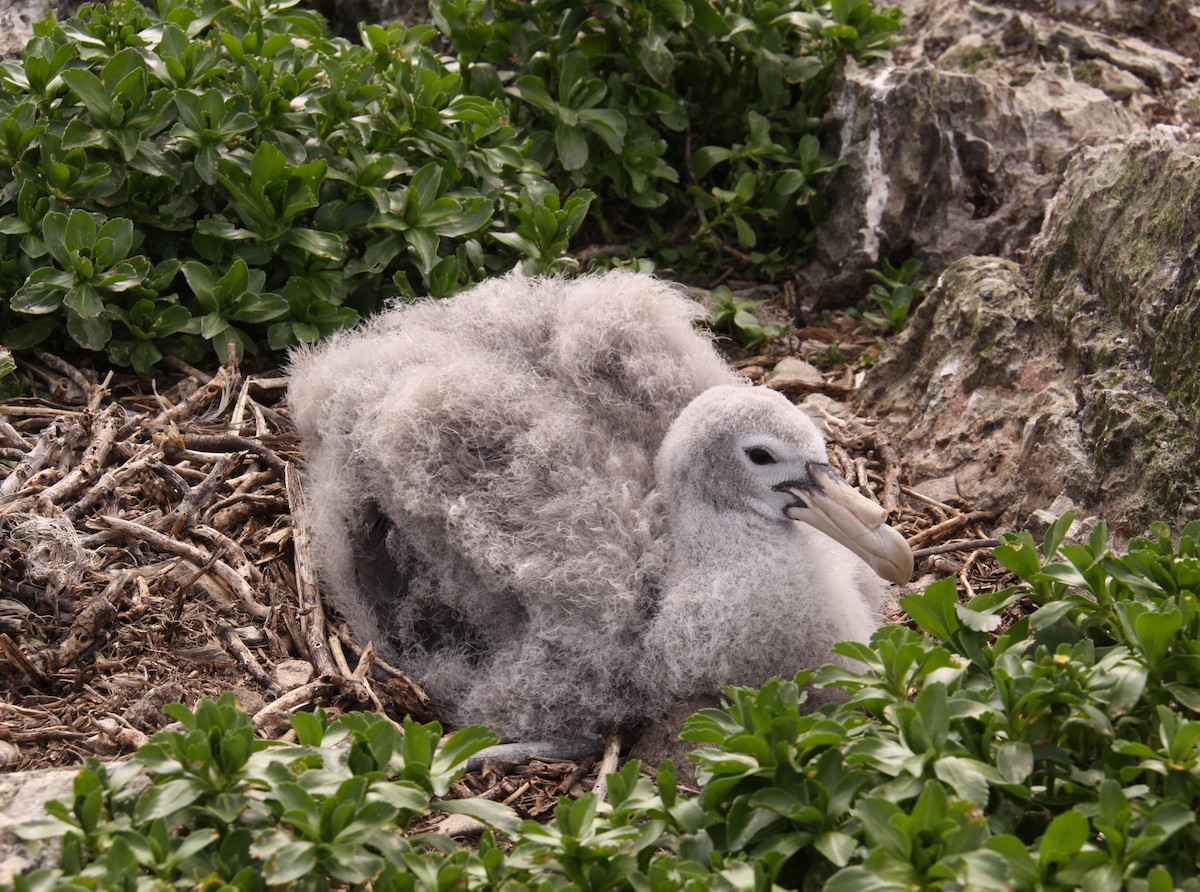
941	164
956	148
976	390
1078	375
17	21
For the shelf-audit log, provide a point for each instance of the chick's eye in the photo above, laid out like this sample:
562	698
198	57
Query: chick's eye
760	456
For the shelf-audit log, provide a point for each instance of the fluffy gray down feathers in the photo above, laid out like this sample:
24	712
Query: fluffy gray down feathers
483	499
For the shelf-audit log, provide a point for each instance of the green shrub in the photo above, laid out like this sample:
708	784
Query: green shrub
736	316
227	172
893	294
1059	751
699	117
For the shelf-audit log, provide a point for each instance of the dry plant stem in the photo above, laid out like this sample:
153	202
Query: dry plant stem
194	502
93	460
568	783
191	371
238	650
220	383
293	699
860	473
339	657
412	689
236	421
233	443
230	549
16	411
890	499
198	556
921	497
361	675
947	547
91	620
99	392
948	526
12	436
37	457
109	481
65	368
15	656
312	615
841	459
608	764
964	574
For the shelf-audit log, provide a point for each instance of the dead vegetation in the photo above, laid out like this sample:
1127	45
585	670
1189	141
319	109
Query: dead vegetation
151	551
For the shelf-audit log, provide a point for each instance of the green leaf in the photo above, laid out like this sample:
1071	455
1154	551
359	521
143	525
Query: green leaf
291	862
608	124
1014	758
258	308
838	847
92	93
327	245
90	333
1064	836
968	777
571	146
83	300
43	291
1156	633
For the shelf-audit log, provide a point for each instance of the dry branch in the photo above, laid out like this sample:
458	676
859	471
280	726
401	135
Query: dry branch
221	570
312	615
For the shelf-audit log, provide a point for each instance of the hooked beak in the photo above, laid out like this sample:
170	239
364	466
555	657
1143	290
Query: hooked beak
830	504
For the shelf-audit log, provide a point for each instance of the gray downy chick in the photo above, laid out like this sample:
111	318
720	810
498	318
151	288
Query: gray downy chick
553	502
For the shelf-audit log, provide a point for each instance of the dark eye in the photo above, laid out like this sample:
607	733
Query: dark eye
760	456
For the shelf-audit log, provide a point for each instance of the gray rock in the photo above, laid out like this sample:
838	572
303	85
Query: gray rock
1077	377
792	374
23	798
17	18
941	164
974	390
1114	278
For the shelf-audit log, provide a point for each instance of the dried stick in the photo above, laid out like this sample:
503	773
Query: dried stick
948	526
65	368
109	481
234	443
946	547
193	503
292	699
37	458
608	764
93	460
312	614
220	383
198	556
238	650
91	619
230	548
890	499
17	657
13	436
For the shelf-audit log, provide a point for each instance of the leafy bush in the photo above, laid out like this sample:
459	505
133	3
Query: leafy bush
893	294
1061	751
699	115
736	315
227	172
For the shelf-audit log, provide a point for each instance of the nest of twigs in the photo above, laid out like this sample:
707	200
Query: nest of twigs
153	550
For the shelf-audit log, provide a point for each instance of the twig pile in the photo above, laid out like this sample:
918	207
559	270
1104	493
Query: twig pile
149	553
152	550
